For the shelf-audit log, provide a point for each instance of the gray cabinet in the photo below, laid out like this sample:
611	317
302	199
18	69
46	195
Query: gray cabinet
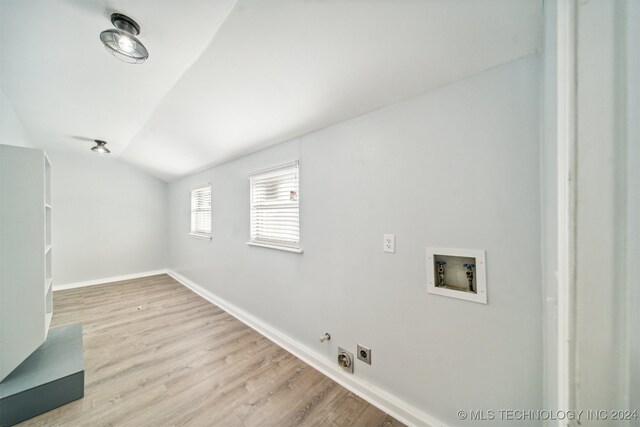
26	281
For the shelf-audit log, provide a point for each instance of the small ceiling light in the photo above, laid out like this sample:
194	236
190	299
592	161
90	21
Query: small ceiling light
122	42
100	148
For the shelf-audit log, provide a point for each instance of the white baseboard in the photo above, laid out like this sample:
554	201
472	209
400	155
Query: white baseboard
107	280
387	402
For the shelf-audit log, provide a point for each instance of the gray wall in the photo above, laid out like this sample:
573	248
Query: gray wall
109	218
455	167
11	130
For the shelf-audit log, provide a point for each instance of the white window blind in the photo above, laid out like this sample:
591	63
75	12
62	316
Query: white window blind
275	207
201	211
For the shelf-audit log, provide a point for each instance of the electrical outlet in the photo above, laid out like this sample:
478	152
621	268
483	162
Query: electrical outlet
364	354
389	243
345	360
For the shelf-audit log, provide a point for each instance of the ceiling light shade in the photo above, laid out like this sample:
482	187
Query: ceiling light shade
100	147
122	42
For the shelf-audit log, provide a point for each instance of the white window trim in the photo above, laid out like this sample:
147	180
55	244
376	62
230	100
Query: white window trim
276	168
281	247
203	236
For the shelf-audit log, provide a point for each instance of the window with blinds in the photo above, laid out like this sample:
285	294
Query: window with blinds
201	211
275	207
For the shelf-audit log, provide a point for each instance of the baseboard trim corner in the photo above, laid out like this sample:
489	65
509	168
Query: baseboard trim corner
108	280
387	402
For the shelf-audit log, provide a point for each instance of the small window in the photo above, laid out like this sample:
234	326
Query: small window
201	211
275	208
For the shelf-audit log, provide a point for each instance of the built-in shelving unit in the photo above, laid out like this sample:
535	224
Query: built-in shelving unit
26	254
39	371
48	276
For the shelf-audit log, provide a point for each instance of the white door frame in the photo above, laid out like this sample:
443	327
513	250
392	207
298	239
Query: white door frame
566	145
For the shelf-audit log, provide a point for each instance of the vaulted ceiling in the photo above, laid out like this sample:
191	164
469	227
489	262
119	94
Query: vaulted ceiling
227	77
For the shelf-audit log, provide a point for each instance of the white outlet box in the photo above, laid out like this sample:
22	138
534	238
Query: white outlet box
389	243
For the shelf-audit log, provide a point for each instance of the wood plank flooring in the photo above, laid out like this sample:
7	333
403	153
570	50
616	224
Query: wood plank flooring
158	354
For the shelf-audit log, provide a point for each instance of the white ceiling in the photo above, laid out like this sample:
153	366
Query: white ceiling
226	78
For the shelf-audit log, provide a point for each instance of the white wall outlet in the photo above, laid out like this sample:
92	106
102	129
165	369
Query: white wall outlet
389	243
364	354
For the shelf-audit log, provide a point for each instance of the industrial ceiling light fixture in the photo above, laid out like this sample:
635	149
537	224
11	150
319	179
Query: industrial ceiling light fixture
100	147
122	43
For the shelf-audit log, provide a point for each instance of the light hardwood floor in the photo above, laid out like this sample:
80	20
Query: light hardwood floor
158	354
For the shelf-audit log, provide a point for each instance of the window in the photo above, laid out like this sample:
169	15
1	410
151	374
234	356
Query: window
201	211
275	208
